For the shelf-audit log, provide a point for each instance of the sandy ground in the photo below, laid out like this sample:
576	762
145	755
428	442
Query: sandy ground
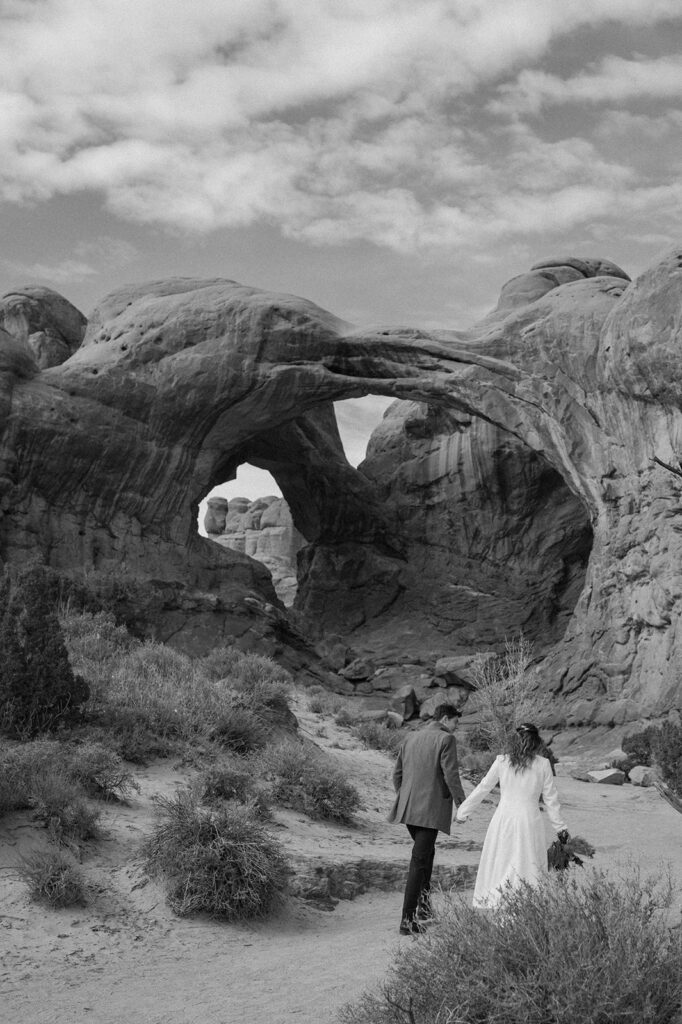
127	958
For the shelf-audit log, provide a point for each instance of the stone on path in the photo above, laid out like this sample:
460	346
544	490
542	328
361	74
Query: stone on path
608	776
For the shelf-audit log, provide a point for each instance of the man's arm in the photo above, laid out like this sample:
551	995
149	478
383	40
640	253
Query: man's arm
450	768
398	771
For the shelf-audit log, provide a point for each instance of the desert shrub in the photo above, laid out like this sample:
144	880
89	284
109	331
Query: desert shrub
309	781
506	693
325	703
266	684
667	749
661	746
52	877
91	767
100	771
377	736
344	718
638	745
220	662
572	951
240	729
61	805
94	641
478	739
220	862
38	688
233	779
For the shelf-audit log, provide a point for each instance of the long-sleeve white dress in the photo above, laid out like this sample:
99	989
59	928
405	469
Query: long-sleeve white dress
515	846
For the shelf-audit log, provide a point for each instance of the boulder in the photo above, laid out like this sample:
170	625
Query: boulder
455	695
642	775
334	652
607	776
405	703
358	671
456	670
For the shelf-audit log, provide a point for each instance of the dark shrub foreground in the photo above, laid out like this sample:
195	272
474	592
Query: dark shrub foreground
221	862
579	950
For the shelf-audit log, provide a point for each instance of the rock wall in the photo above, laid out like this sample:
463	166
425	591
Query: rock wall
495	541
105	455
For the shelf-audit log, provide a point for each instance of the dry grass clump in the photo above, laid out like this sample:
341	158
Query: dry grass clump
63	808
52	877
307	780
322	702
377	736
233	779
590	951
222	862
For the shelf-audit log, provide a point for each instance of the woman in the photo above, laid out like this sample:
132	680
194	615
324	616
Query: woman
515	848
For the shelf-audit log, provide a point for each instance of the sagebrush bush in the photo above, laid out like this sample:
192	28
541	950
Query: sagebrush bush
220	662
233	779
660	746
593	950
38	688
94	641
99	770
239	729
307	780
91	767
323	702
63	808
53	877
268	685
222	862
344	718
377	736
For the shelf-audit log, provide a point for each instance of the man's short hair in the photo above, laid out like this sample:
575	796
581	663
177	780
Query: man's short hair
446	711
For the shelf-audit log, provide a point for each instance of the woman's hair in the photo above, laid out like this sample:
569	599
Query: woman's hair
525	744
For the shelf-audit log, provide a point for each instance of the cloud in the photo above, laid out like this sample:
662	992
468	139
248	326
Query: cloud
63	272
400	122
615	81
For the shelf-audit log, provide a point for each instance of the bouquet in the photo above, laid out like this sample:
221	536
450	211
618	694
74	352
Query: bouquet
569	851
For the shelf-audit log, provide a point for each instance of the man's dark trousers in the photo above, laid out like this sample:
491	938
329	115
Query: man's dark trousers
418	884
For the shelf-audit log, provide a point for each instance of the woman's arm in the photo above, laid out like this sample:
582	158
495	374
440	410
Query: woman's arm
551	797
476	797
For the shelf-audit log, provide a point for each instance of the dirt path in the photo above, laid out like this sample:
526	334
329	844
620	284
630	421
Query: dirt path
126	958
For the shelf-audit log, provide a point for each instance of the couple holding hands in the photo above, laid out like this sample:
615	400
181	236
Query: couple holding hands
427	783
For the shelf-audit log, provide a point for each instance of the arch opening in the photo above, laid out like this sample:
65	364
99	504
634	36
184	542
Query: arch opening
248	512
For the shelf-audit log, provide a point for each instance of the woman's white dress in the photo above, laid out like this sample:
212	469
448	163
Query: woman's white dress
515	846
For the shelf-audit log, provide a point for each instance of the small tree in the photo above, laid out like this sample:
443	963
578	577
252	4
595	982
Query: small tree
506	695
38	688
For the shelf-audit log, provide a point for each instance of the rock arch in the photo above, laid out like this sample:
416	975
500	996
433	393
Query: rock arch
106	454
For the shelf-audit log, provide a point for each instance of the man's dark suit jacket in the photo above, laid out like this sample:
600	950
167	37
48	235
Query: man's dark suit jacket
426	779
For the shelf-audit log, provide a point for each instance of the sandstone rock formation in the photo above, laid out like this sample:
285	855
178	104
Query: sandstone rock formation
573	384
264	530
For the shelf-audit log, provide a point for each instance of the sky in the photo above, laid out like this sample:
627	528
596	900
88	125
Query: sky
394	161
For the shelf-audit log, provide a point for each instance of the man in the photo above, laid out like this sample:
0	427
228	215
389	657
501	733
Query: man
426	780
